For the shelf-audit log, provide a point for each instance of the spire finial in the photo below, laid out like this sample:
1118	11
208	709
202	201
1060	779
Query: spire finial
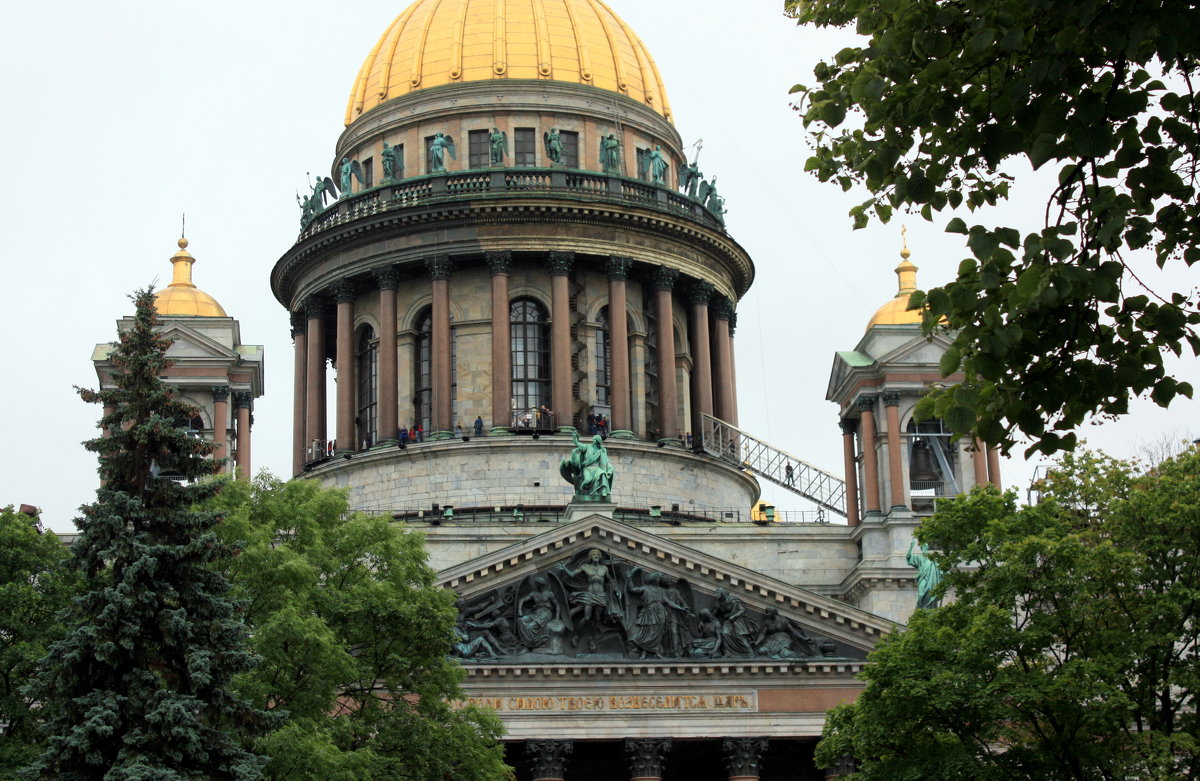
904	253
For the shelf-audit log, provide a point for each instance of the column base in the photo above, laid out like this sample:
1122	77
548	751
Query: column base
499	431
622	433
898	508
385	443
439	436
671	442
567	430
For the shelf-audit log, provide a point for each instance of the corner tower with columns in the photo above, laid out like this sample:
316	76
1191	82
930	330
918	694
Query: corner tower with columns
212	369
896	467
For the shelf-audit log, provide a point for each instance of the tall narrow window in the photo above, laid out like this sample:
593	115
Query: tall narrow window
368	172
643	167
570	148
530	333
603	361
524	146
479	149
932	463
423	370
367	364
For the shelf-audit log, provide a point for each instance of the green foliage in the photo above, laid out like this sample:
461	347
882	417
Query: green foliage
34	587
1051	324
1070	649
139	687
354	637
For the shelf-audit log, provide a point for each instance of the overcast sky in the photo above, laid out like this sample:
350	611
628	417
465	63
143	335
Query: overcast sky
122	115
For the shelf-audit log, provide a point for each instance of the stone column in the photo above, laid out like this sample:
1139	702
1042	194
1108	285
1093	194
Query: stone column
993	465
733	365
866	407
242	400
346	433
314	423
300	439
702	376
723	362
850	464
500	265
637	383
618	331
668	398
441	427
646	757
220	395
742	757
560	336
979	461
891	403
548	758
389	402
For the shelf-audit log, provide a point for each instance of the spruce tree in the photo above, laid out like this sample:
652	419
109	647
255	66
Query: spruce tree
140	686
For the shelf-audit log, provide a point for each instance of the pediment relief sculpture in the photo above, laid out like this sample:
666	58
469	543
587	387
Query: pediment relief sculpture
595	607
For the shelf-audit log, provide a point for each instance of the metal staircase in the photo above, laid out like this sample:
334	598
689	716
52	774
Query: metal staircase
746	451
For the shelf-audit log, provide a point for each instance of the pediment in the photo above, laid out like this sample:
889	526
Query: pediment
190	344
641	598
919	351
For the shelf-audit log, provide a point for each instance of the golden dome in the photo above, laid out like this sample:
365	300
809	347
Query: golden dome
438	42
181	297
896	311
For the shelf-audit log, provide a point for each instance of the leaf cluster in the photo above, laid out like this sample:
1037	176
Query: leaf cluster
354	638
1051	324
1070	649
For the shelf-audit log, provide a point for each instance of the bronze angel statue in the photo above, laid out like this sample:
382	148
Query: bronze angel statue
314	204
441	145
350	168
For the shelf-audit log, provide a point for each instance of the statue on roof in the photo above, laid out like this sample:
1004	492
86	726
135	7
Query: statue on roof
610	154
350	168
314	204
442	145
656	166
691	178
588	469
498	142
554	148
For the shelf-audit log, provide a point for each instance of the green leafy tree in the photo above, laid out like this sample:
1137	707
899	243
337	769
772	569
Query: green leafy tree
355	639
34	588
140	685
1069	650
1051	322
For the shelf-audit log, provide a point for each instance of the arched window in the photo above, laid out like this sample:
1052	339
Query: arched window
530	334
603	361
367	363
423	368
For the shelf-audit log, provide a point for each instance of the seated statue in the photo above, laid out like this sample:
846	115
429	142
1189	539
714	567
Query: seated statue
588	469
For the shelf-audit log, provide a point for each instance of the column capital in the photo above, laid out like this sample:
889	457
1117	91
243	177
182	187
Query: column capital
220	392
722	308
664	278
344	291
700	292
848	425
646	756
243	400
548	757
499	262
439	267
388	278
866	403
560	263
742	755
732	322
299	322
890	399
618	267
314	307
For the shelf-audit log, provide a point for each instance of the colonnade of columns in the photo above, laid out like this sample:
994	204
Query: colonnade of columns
712	381
646	757
985	461
242	405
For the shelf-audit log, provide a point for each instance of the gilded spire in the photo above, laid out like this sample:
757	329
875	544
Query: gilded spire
896	311
182	261
182	297
906	271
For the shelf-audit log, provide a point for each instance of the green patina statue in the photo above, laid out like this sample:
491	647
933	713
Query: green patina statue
498	140
657	165
389	158
554	147
610	154
589	470
929	576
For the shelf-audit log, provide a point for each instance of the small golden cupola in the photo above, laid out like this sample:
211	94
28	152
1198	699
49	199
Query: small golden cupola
182	297
896	311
